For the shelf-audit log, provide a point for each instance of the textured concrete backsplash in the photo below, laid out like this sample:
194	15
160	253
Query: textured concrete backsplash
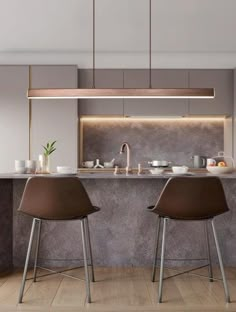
172	140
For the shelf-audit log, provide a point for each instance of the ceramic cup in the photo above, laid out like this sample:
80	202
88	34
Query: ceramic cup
211	162
88	164
31	166
20	166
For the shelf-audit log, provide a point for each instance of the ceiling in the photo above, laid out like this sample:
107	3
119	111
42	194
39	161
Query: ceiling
185	33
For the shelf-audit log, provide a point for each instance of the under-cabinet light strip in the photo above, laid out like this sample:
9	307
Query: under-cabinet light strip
147	118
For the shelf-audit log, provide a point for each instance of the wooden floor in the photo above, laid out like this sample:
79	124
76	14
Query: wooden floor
118	289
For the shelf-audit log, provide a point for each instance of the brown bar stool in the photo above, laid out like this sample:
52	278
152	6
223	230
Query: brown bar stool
57	199
190	199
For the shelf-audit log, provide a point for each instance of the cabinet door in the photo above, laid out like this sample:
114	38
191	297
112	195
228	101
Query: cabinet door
161	78
14	116
222	81
104	78
55	119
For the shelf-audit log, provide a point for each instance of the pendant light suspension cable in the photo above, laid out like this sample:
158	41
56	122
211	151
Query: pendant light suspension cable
94	44
150	44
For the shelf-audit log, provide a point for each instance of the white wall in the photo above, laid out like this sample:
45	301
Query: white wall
186	33
123	60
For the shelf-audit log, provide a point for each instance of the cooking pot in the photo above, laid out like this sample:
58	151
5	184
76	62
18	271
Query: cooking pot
159	163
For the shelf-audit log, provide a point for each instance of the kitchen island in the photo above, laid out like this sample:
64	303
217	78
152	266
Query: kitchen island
122	233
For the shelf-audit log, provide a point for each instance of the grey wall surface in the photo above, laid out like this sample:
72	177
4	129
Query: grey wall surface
170	140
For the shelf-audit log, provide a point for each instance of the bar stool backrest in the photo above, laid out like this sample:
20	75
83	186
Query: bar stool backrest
55	198
192	198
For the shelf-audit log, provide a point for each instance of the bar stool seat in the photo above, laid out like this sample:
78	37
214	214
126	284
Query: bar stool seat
190	199
57	199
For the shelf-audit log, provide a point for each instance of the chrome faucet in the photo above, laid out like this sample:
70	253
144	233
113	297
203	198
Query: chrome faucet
122	150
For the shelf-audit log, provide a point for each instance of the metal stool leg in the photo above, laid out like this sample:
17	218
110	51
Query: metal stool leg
89	248
27	262
37	249
162	260
85	248
156	249
208	252
227	296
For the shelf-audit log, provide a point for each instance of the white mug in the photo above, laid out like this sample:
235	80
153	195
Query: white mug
88	164
211	162
31	166
20	166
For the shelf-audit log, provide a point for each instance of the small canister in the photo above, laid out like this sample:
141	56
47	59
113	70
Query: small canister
199	161
139	169
211	162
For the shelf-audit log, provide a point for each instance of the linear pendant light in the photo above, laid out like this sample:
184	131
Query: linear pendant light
114	93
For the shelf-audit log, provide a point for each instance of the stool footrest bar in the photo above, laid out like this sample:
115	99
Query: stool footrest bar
58	272
190	273
184	272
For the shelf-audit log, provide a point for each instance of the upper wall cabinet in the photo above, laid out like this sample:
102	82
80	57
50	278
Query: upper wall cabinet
104	78
138	78
222	81
55	119
14	115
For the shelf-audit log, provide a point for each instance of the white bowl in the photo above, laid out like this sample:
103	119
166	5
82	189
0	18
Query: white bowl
219	170
108	164
180	169
65	170
156	170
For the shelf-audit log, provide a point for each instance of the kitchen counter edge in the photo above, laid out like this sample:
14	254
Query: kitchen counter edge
112	176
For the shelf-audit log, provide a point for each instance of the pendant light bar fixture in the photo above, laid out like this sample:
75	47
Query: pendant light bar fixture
114	93
119	93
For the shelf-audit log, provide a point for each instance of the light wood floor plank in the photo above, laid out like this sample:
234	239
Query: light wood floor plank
9	290
65	296
171	293
42	292
118	290
114	284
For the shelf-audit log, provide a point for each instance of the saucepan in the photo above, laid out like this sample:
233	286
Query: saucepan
159	163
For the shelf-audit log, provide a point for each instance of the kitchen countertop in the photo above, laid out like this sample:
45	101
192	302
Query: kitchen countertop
149	176
110	175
